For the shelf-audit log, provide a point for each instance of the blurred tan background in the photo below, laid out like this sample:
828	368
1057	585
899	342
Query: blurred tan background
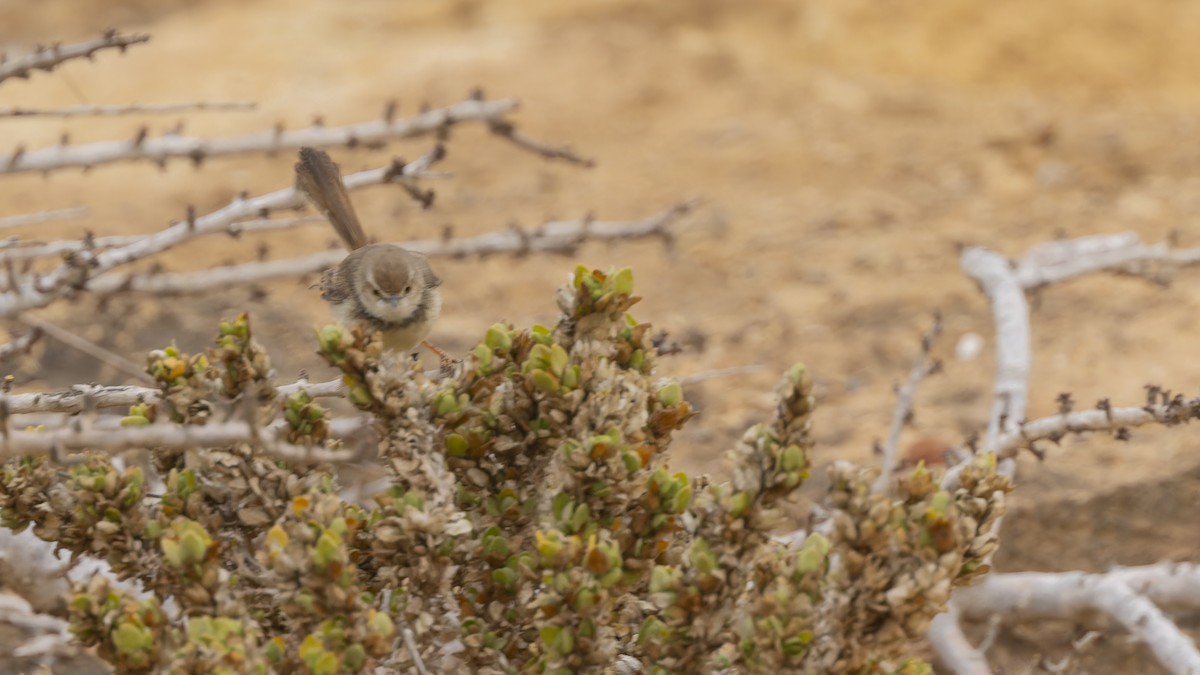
841	149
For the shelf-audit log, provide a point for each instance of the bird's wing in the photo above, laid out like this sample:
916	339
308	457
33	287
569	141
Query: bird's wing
334	289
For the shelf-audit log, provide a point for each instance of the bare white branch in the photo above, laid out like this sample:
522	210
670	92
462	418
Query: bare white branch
43	575
47	58
81	396
44	636
86	110
33	292
557	236
1105	418
170	146
954	651
1076	595
41	217
20	345
19	249
1010	311
1014	356
1124	252
164	435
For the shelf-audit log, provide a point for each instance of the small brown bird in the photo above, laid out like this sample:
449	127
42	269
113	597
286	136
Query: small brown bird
382	285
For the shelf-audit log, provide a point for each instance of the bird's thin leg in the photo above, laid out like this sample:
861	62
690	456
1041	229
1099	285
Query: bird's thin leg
446	360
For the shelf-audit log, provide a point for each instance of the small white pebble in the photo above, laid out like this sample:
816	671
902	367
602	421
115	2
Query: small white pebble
968	347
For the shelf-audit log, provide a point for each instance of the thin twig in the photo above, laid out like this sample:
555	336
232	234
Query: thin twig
20	345
904	405
505	129
83	346
160	149
178	436
73	273
559	237
41	217
47	58
19	249
123	396
83	110
1104	418
410	644
721	372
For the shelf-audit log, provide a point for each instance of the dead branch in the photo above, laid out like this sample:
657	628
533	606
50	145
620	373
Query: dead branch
904	405
20	345
1104	418
176	436
80	396
44	637
506	129
74	273
48	58
1077	595
43	575
23	249
41	217
955	652
1010	311
116	361
160	149
554	237
86	110
1124	252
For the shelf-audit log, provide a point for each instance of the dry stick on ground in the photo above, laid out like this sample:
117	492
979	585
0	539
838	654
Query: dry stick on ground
73	274
41	217
48	58
85	110
904	405
172	146
557	237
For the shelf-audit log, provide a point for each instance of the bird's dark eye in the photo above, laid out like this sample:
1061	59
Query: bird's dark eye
378	293
407	289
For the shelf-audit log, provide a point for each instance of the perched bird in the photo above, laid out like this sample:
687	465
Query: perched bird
382	285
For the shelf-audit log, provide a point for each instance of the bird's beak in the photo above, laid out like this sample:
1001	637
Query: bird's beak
392	300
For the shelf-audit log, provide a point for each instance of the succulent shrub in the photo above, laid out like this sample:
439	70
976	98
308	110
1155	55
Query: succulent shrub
530	521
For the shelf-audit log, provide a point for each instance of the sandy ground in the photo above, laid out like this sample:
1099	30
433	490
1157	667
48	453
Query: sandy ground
842	152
